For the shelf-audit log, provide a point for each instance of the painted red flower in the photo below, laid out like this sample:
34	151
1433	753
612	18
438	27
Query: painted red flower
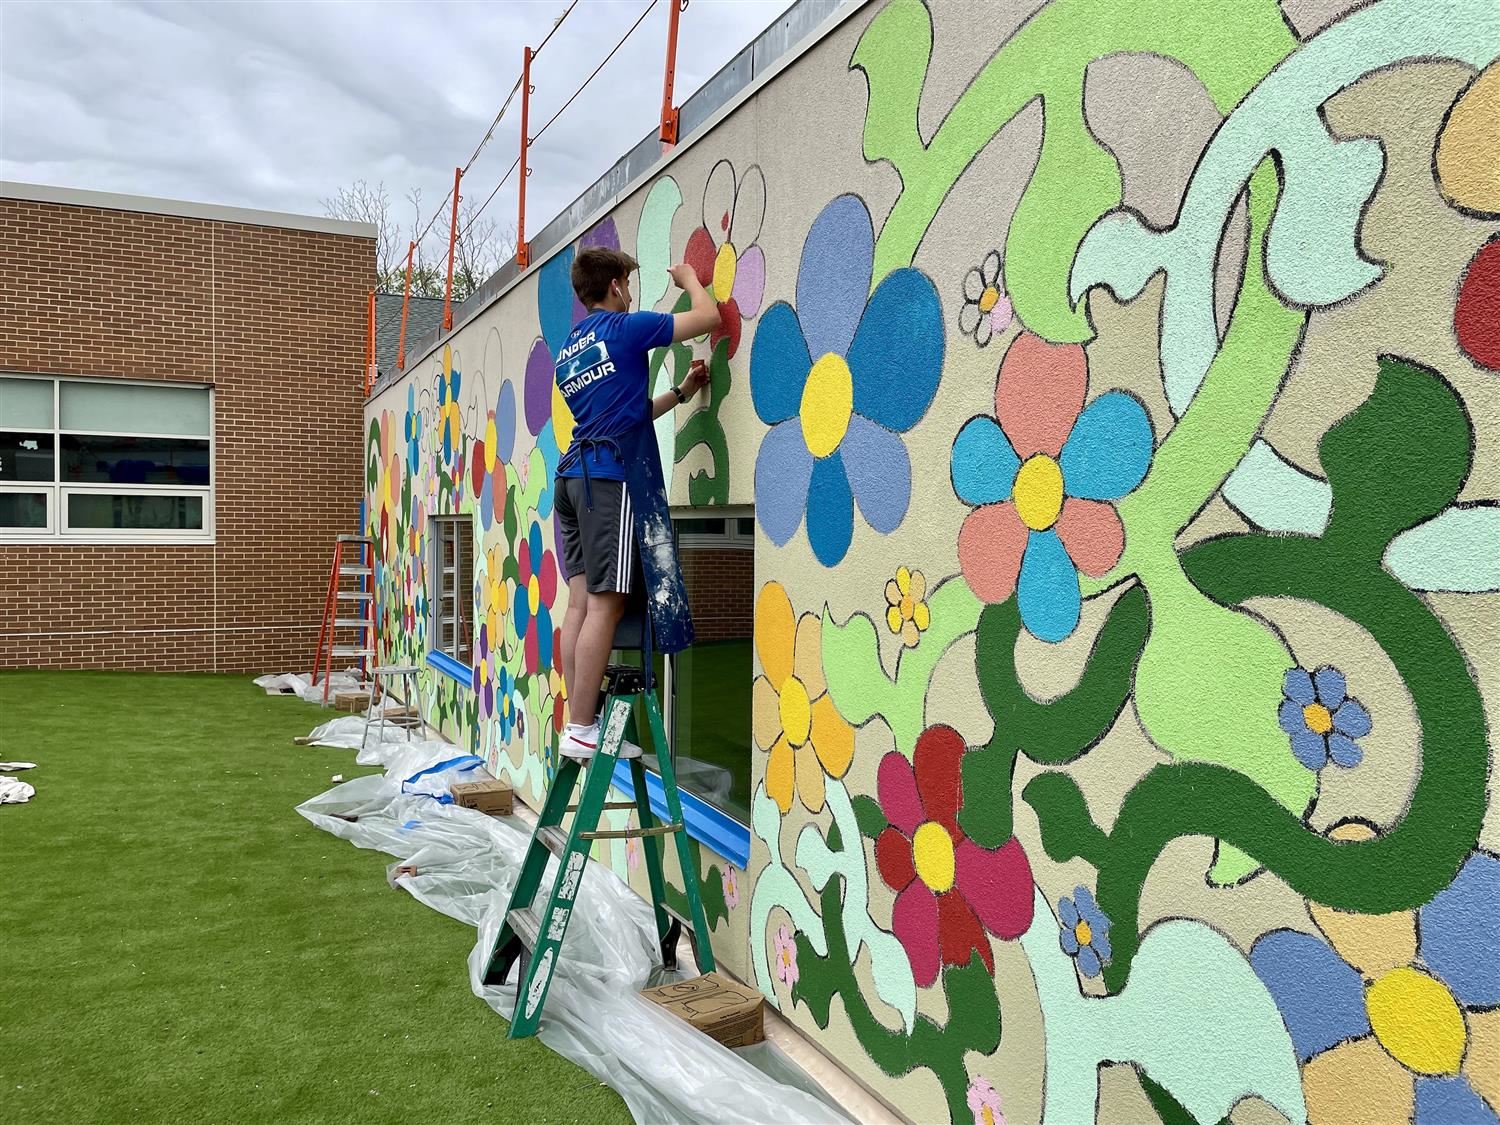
723	252
949	890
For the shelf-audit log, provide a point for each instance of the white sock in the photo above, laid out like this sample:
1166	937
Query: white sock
580	729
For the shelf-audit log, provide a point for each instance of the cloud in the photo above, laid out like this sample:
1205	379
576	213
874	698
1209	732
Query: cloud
277	104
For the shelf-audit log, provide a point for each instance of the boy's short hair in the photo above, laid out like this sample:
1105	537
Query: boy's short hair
595	268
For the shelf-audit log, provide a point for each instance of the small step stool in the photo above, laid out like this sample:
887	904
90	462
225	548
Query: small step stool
534	938
348	610
409	718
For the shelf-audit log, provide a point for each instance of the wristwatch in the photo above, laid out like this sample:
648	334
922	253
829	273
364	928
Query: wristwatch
681	398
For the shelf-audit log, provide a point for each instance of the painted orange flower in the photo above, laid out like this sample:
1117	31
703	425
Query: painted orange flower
793	716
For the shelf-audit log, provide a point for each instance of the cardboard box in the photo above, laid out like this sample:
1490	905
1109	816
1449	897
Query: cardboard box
494	797
723	1009
355	701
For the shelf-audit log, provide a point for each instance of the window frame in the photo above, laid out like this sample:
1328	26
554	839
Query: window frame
57	489
452	663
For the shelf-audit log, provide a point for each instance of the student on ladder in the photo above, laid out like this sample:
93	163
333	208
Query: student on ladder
611	501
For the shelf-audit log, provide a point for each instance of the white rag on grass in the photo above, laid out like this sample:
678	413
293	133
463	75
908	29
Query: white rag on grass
14	791
466	865
17	765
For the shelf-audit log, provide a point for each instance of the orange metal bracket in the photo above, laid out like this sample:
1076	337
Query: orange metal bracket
405	305
523	253
370	344
669	114
458	174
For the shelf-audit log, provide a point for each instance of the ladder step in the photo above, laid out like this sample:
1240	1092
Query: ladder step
630	833
352	650
351	623
554	839
357	571
609	805
526	925
354	595
353	539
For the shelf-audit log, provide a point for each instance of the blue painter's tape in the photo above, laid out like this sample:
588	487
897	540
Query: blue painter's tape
711	827
452	668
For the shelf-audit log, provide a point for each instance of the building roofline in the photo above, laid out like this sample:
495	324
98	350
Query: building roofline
112	201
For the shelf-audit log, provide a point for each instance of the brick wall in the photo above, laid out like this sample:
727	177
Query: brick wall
721	591
274	318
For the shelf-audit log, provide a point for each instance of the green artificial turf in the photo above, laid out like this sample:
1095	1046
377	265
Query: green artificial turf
177	944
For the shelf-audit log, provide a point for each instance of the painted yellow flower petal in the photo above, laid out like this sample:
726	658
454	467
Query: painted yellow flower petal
1417	1020
832	737
775	630
808	661
1482	1063
1467	169
1372	943
893	618
892	593
918	589
910	634
781	782
903	580
809	778
1357	1082
921	615
765	713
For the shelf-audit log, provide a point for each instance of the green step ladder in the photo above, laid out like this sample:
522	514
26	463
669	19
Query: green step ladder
534	938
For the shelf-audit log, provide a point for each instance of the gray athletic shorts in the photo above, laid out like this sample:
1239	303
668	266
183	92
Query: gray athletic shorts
598	543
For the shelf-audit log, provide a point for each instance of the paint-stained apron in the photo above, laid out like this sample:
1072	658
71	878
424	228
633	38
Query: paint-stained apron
660	599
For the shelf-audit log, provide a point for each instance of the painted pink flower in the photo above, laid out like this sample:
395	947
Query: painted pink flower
949	890
731	888
632	854
784	951
1043	475
984	1101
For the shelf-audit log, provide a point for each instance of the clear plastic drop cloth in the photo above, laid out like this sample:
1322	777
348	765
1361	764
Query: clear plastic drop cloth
300	684
464	863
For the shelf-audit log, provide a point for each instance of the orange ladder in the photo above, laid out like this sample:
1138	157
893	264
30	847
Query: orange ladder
346	609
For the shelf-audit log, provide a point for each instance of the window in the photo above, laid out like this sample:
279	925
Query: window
709	714
452	585
105	459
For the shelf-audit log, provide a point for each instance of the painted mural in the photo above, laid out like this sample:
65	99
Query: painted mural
1117	387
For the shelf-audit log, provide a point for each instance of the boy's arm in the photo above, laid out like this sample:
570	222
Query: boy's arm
695	381
704	314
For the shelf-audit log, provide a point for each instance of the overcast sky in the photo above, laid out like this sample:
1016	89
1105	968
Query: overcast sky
276	104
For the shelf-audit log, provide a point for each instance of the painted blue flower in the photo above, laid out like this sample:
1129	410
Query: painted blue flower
413	426
1085	931
506	712
1322	719
837	379
1414	984
1042	475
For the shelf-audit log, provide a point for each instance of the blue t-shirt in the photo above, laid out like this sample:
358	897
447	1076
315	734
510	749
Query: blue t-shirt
603	373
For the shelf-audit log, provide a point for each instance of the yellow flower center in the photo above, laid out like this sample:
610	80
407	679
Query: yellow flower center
989	298
786	956
533	594
932	853
988	1114
1417	1020
1318	718
906	607
1039	492
796	711
1083	932
827	403
724	267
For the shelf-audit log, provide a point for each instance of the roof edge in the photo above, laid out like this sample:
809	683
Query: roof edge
112	201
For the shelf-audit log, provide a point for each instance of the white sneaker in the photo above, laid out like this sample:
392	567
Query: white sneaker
582	743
